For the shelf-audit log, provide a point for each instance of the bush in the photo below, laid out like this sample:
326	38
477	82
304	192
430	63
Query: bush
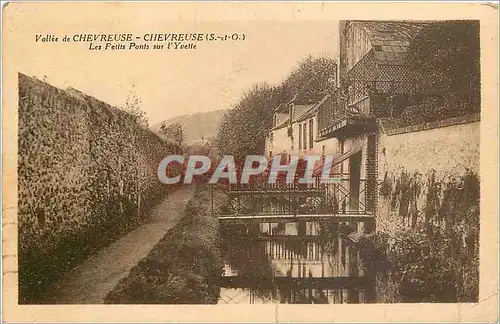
434	108
429	264
386	187
373	252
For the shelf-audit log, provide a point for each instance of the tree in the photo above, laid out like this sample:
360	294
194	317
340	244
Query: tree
313	79
172	131
244	129
446	55
133	107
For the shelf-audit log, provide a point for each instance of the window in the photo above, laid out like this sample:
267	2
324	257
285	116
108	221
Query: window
300	137
311	134
304	128
378	48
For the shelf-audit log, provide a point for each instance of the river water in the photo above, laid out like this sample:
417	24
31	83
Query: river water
293	262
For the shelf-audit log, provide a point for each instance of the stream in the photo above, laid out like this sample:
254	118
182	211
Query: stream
293	263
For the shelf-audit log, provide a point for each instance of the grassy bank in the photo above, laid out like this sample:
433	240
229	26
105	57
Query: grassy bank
183	268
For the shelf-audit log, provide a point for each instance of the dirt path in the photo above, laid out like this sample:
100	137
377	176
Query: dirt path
90	282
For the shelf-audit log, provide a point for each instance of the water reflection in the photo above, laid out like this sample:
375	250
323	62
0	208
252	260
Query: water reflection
293	262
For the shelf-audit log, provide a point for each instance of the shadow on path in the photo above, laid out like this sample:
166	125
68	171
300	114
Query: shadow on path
92	280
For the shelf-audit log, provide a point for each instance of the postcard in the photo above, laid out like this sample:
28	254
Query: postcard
250	162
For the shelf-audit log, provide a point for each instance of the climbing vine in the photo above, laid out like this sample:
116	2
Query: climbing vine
435	257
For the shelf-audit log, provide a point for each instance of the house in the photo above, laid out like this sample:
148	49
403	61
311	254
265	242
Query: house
375	82
295	131
373	64
375	79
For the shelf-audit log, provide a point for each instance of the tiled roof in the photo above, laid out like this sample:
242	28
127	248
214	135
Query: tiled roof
282	124
391	39
299	112
392	31
308	114
313	110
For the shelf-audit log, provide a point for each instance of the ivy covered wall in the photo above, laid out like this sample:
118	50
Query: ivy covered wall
428	209
86	173
415	168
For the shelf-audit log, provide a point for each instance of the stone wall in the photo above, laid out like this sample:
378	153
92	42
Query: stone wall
428	172
86	173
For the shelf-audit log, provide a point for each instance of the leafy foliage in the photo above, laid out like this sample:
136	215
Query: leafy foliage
437	258
172	131
386	187
448	53
430	264
86	174
373	251
244	129
422	266
313	79
435	108
446	59
133	107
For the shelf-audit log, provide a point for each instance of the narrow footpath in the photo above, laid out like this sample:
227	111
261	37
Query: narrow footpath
91	281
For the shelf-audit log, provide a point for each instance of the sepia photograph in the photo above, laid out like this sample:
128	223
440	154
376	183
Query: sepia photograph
161	155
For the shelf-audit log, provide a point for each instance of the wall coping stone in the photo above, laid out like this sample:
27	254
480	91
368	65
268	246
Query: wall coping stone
390	128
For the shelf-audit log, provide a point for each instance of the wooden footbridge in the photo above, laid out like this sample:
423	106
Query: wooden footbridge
341	200
306	282
261	202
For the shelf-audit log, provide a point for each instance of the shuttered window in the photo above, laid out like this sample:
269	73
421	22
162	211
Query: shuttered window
311	134
300	137
305	135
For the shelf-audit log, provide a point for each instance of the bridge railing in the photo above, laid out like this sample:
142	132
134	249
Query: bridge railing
343	196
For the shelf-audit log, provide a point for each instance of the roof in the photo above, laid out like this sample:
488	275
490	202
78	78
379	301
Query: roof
308	114
282	124
284	106
390	39
299	112
313	110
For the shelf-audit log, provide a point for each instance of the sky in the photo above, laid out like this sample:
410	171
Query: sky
169	83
